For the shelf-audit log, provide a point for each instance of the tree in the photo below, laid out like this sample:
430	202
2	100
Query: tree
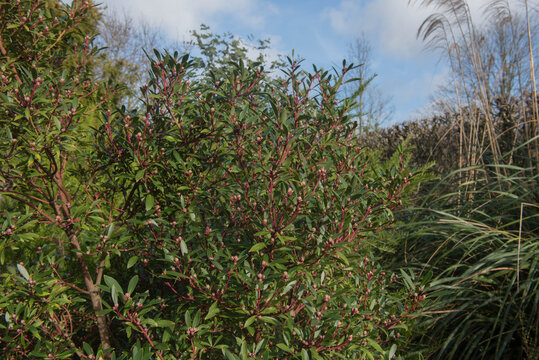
374	107
222	219
123	59
127	44
216	54
47	96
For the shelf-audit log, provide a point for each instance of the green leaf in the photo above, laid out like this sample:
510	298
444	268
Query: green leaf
285	239
289	287
270	320
34	332
132	261
315	355
23	271
283	116
132	284
57	123
111	230
368	353
114	294
262	233
36	354
8	133
426	278
257	247
87	349
213	310
375	345
112	282
166	336
165	323
196	319
249	321
150	322
149	202
183	247
243	350
139	175
392	351
104	312
26	236
284	347
228	354
407	279
260	344
304	354
343	257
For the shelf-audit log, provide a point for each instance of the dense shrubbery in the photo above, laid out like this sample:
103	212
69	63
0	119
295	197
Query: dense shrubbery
435	140
236	215
223	220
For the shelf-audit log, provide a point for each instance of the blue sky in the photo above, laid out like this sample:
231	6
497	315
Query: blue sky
320	31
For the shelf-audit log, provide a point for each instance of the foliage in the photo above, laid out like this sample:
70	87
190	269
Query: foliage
215	53
483	256
122	59
475	231
247	207
435	139
223	220
126	42
47	94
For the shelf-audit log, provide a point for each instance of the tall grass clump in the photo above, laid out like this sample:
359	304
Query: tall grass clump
493	73
476	231
484	293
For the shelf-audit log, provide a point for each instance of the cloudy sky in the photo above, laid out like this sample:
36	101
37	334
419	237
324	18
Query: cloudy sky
320	31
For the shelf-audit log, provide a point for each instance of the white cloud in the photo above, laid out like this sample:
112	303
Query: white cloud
390	23
178	17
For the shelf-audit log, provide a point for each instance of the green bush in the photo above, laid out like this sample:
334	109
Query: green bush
224	220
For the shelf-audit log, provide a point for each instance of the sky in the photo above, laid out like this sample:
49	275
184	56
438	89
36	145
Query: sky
320	31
